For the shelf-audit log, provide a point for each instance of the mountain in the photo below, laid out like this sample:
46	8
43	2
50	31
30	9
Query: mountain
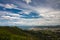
15	33
57	26
52	28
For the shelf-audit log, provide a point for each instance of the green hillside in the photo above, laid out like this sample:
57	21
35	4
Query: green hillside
14	33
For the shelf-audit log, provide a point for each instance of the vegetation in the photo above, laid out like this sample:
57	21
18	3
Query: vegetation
15	33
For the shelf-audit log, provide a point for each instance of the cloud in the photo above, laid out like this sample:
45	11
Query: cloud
10	18
27	1
50	15
14	15
29	14
10	6
5	17
8	15
26	11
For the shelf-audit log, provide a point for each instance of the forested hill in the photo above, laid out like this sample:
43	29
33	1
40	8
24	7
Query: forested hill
15	33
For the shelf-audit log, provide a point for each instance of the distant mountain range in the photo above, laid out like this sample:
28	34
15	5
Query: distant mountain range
57	26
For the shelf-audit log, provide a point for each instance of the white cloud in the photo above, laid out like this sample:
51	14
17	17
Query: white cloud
5	17
25	12
9	15
27	1
50	17
10	18
14	15
10	6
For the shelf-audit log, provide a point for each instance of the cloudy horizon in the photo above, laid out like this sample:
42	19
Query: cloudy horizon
29	12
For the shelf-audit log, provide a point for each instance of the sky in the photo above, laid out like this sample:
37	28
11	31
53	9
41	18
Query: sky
29	12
